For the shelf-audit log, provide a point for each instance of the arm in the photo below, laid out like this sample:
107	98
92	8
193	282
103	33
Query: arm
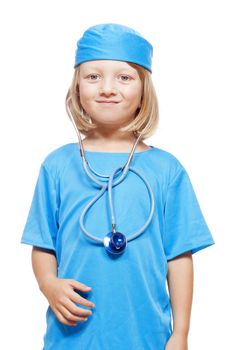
180	285
44	264
60	292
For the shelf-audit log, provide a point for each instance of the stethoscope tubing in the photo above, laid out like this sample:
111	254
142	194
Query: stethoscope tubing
101	192
108	187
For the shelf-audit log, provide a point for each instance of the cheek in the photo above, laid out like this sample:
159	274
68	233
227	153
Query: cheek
86	90
134	93
134	99
85	95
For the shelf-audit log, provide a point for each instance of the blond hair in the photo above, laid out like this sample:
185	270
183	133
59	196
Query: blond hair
145	121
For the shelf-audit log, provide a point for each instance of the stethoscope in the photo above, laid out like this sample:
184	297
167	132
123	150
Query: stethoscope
114	242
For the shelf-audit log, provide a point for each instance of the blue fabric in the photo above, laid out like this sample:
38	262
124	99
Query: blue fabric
133	309
111	41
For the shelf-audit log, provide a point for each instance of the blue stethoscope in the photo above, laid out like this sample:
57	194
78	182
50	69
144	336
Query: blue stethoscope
114	242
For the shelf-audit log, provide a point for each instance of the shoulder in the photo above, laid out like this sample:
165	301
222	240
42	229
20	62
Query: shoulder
166	162
57	159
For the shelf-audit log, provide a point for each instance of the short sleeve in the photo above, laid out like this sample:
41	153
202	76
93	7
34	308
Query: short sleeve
41	226
185	226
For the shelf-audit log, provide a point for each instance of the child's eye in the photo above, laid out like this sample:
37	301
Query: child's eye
125	77
93	76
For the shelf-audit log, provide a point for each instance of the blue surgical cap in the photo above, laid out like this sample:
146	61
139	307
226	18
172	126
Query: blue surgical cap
112	41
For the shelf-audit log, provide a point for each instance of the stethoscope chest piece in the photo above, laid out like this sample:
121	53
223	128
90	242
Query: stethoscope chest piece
115	243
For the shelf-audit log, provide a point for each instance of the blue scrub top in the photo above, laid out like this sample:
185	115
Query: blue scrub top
133	309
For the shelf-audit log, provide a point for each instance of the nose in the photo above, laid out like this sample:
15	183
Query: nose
108	88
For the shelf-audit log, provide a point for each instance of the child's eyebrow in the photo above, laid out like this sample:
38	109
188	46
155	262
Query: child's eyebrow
102	69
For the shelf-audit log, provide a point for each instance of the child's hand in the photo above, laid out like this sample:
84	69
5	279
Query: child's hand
61	297
177	342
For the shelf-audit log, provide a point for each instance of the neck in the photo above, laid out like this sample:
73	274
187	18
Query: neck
109	140
111	136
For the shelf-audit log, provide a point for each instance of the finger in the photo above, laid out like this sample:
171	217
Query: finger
77	298
69	316
79	286
62	319
69	305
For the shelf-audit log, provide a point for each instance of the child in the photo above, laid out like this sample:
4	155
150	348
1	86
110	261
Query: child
105	281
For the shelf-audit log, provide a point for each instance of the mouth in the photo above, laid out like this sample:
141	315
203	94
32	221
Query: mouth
107	102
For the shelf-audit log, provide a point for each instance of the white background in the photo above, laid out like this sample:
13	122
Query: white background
192	73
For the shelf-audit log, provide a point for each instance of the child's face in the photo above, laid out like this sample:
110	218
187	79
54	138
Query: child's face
110	91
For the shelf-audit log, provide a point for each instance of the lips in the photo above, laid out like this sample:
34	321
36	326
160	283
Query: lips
107	101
